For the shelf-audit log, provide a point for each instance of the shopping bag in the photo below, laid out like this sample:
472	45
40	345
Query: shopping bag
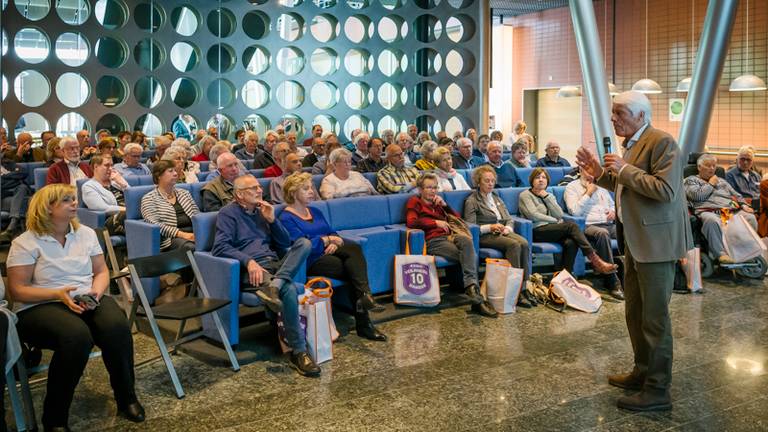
692	270
741	241
315	320
502	284
416	282
575	295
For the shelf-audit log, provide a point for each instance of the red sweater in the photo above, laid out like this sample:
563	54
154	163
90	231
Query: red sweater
273	171
59	172
422	215
200	157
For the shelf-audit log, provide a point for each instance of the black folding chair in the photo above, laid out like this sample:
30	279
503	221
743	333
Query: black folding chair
191	306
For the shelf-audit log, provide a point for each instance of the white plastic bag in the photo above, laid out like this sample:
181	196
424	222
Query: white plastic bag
692	270
576	295
502	284
741	241
316	320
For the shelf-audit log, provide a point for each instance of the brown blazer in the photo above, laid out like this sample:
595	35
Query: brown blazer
655	223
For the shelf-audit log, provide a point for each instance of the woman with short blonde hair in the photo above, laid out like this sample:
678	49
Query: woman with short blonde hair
450	179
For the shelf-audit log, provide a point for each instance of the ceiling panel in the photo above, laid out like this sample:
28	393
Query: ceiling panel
522	7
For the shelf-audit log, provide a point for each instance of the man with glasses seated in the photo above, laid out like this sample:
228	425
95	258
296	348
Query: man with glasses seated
744	178
396	177
131	164
248	231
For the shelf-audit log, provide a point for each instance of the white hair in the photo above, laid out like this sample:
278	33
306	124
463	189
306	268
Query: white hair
131	146
706	157
338	154
747	150
635	102
181	142
360	136
216	151
66	140
494	143
428	147
173	151
250	133
461	141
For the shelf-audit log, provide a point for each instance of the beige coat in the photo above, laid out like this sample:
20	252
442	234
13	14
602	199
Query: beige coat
654	214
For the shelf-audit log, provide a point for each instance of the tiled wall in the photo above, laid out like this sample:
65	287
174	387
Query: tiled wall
542	42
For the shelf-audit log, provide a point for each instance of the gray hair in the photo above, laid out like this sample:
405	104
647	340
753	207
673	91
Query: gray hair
635	102
747	150
428	147
132	146
249	134
462	141
520	144
494	143
360	136
706	157
216	151
204	140
427	176
338	154
173	151
181	142
66	140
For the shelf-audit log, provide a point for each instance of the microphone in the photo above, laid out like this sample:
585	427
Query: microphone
607	144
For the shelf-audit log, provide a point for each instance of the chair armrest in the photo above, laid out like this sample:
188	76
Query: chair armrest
142	238
523	227
474	229
578	220
349	238
416	239
92	218
222	280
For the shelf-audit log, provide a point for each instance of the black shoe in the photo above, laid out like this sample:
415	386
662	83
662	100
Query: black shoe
485	309
304	365
646	401
370	332
618	293
270	297
473	292
531	298
133	412
523	303
370	304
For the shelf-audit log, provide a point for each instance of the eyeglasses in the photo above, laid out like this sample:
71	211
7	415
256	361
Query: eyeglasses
429	187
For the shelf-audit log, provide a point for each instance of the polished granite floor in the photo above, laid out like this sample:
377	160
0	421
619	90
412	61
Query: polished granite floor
452	371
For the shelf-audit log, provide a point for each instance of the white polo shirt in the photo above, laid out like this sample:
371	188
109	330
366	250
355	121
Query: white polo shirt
57	266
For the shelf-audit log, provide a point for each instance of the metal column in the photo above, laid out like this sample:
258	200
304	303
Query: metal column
592	71
710	58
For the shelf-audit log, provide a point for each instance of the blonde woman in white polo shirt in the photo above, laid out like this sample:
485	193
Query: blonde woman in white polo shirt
50	264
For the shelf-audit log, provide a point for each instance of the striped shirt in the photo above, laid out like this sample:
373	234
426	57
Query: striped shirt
392	180
158	211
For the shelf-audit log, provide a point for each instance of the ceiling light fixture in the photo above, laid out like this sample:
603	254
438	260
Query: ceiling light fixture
747	82
646	85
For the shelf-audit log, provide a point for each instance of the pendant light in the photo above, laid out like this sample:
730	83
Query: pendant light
747	82
685	84
567	90
646	85
612	89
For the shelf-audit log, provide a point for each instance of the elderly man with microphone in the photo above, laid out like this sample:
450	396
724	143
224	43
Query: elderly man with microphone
653	229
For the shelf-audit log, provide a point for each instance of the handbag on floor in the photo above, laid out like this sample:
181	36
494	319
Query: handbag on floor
692	269
574	294
502	284
316	320
741	241
416	282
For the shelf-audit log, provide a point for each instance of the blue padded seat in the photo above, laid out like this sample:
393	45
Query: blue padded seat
204	165
40	175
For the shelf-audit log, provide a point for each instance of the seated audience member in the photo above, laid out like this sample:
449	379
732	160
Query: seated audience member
330	256
139	138
540	206
472	135
292	165
374	162
361	141
71	169
481	152
396	177
421	139
199	135
162	143
463	158
104	192
413	132
84	141
427	162
318	152
186	171
205	146
387	137
520	158
53	152
406	144
517	132
350	145
446	142
103	134
54	261
450	179
552	157
322	166
45	137
709	195
584	198
317	132
131	164
428	211
169	207
265	159
24	152
15	197
278	153
456	135
107	147
485	208
343	182
531	143
123	139
247	231
290	138
250	147
218	150
497	136
239	137
506	176
218	192
743	178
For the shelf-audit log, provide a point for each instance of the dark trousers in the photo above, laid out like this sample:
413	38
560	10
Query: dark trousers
16	201
599	236
514	247
71	337
570	238
647	290
457	248
347	263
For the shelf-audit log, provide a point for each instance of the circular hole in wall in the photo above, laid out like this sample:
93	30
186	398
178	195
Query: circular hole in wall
33	123
324	28
256	59
324	95
149	16
255	94
459	62
148	92
113	123
358	28
392	62
111	14
292	123
427	28
111	91
290	26
70	124
290	60
149	54
392	96
72	49
185	20
325	61
358	95
72	89
393	28
329	123
358	62
460	28
427	95
290	94
184	56
149	124
257	123
73	12
357	122
31	45
221	58
221	22
111	52
33	10
256	24
427	61
185	92
31	88
221	93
